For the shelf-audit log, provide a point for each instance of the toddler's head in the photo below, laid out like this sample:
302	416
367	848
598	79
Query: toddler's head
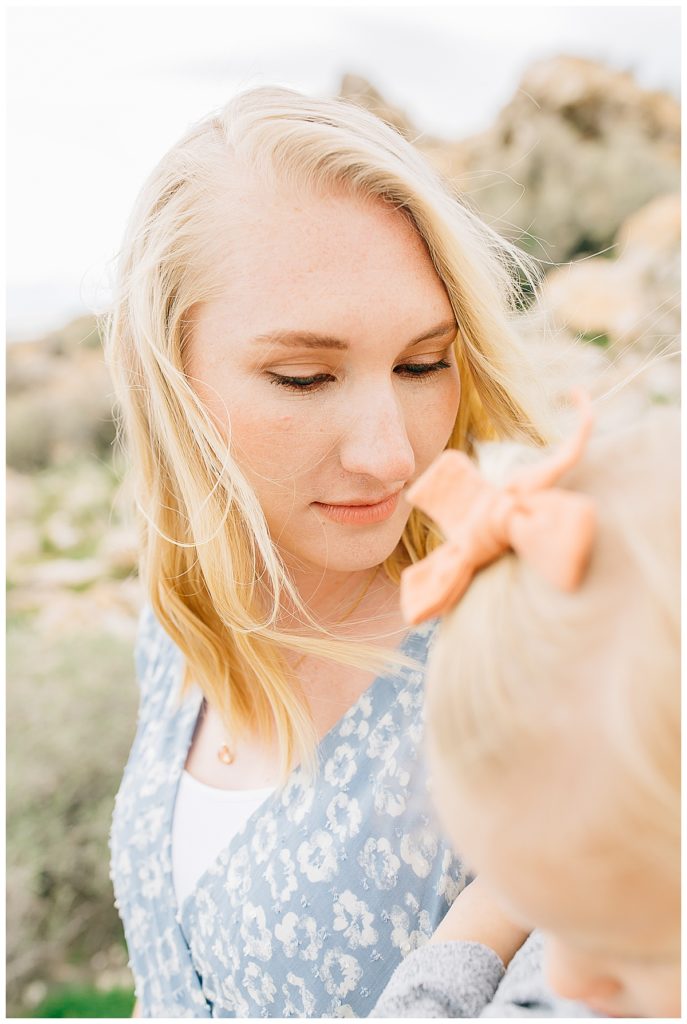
553	723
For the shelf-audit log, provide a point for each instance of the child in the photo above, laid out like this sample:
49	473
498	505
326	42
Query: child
553	728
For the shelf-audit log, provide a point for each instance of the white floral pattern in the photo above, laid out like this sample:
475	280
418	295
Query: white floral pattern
419	849
281	877
354	918
411	927
450	884
259	985
238	876
257	940
341	766
380	863
384	738
354	723
299	935
309	909
391	793
264	840
344	816
317	857
298	1000
341	972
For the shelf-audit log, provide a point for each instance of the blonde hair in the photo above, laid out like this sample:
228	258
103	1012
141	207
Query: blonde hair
519	669
212	574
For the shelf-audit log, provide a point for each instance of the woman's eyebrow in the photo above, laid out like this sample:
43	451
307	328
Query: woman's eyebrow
310	339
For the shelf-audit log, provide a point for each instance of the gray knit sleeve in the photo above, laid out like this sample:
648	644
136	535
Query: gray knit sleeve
442	979
467	979
524	992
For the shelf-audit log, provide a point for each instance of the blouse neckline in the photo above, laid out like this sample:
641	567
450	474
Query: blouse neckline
224	795
193	709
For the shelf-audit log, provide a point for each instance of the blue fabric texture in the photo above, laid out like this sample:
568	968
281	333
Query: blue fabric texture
328	886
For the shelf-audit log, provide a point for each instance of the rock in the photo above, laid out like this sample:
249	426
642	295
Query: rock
653	231
111	606
582	160
578	149
119	549
20	495
22	543
597	298
34	993
358	90
31	363
632	301
59	398
60	532
65	572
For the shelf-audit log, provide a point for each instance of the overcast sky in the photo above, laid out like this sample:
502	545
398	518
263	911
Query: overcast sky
96	94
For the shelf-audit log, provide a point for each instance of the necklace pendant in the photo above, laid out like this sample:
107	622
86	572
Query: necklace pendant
225	755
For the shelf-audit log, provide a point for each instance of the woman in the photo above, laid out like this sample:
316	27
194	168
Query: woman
306	316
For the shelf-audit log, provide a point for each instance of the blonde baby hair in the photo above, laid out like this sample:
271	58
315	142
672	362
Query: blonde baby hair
211	572
521	669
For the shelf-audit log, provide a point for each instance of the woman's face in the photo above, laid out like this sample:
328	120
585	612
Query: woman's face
327	359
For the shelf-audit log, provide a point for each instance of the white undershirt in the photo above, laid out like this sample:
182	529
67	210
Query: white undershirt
205	821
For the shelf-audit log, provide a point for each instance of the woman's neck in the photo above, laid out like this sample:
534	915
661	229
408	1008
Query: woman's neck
351	604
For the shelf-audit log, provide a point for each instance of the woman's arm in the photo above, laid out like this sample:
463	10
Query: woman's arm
136	1012
458	972
461	971
476	917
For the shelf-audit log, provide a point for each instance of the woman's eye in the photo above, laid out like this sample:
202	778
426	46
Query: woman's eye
300	383
313	382
422	369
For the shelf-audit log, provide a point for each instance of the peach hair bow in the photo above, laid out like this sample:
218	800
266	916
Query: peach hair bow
551	528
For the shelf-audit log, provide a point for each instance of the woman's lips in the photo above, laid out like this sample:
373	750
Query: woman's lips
360	515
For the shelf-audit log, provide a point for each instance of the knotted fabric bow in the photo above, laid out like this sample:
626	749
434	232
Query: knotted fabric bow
551	528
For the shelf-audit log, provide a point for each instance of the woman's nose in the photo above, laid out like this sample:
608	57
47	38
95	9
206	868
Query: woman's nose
375	440
579	977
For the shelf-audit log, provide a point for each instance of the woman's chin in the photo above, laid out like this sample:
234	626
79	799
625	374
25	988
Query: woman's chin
351	553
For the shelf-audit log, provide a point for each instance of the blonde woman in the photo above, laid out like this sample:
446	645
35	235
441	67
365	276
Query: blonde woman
305	317
555	748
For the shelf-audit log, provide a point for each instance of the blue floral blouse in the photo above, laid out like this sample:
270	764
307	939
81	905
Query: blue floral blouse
329	884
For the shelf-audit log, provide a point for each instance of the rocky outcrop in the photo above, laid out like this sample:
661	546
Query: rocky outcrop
631	298
578	149
358	90
59	398
628	305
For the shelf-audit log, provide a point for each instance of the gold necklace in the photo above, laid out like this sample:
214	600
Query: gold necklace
224	753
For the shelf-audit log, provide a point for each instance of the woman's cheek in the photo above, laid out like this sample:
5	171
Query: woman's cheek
280	446
451	400
260	435
433	419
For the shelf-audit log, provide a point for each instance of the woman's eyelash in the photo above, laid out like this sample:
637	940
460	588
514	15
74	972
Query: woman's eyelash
414	370
300	383
423	369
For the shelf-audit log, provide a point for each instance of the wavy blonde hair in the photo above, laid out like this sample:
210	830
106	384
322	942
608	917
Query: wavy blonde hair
520	670
212	573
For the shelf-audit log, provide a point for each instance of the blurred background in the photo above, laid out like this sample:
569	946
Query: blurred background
562	127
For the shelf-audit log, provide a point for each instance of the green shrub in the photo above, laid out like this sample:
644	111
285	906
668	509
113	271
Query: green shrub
71	705
81	1001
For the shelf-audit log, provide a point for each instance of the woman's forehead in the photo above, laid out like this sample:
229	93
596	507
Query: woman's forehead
263	222
324	263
